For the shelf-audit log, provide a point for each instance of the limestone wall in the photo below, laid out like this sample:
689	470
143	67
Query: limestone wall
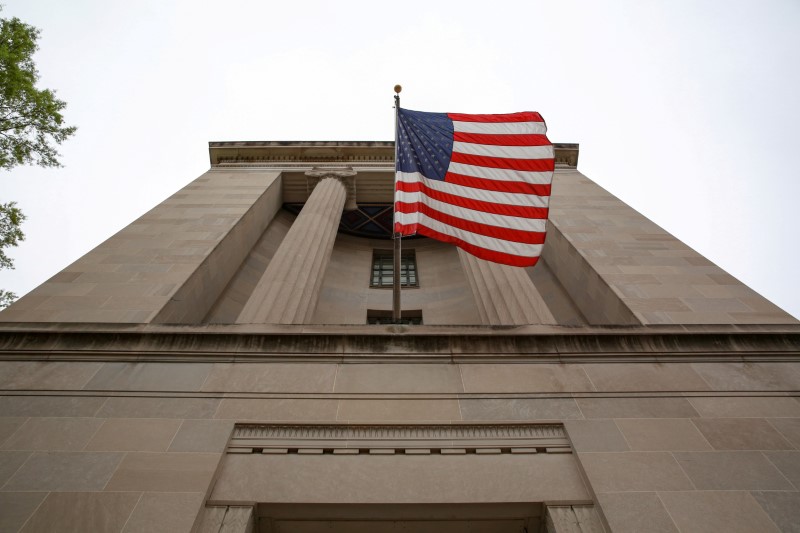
443	294
193	259
167	266
605	253
661	446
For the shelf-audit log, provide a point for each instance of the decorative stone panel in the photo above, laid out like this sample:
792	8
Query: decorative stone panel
399	439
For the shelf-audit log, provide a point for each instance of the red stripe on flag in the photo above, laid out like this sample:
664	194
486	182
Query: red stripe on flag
505	234
533	165
502	139
483	253
519	187
405	229
525	116
475	205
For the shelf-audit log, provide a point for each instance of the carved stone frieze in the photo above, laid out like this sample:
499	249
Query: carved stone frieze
267	153
400	432
466	438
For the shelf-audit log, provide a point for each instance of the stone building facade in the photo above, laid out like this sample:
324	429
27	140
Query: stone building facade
223	364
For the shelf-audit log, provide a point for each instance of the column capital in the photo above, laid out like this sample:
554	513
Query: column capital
345	175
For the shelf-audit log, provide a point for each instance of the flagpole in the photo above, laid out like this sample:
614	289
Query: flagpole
396	236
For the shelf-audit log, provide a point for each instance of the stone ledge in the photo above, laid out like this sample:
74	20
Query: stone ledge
343	344
223	153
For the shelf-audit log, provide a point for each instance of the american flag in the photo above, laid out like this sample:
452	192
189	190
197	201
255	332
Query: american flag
481	182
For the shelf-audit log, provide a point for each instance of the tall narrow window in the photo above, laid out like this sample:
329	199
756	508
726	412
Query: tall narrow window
383	269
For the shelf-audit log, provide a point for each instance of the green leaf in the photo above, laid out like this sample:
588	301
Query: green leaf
31	123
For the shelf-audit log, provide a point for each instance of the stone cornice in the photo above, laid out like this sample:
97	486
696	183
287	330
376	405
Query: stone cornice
352	153
384	344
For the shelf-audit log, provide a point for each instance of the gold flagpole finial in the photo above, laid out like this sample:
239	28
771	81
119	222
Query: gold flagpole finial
398	88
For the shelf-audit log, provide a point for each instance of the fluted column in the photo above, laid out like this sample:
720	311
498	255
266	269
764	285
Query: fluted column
505	295
288	291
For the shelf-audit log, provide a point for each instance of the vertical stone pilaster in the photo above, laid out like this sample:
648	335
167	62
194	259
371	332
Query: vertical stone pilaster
572	519
288	291
505	295
228	519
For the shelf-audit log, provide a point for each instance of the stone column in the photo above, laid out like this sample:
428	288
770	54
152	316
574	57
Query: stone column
288	291
505	295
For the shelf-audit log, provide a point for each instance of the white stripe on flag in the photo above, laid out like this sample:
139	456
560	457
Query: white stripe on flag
495	197
511	152
490	243
538	178
480	217
500	127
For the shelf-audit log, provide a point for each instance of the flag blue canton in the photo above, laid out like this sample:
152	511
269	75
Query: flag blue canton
425	143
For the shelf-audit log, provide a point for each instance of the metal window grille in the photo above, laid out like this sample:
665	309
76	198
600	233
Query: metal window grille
383	269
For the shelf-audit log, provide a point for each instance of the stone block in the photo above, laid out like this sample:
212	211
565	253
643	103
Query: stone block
134	435
142	304
746	407
202	436
644	305
379	410
10	461
495	378
121	407
50	375
782	507
54	434
635	512
8	426
613	377
17	507
164	472
788	463
728	511
731	471
789	428
662	434
64	472
83	511
271	377
150	376
595	436
519	409
159	511
741	434
279	409
633	472
640	407
397	378
750	376
73	406
126	316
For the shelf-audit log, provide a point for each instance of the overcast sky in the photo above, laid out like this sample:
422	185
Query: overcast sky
686	110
